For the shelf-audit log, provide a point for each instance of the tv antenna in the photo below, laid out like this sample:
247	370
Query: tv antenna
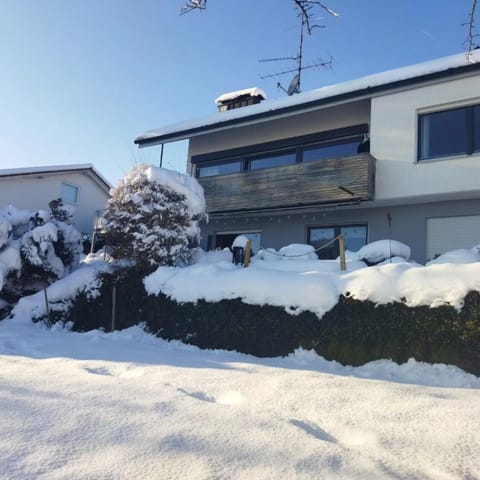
294	85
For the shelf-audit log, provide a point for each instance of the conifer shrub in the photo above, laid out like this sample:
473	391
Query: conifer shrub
150	222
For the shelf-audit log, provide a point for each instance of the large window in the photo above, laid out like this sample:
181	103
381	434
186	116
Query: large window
344	149
344	142
355	238
449	133
273	161
219	169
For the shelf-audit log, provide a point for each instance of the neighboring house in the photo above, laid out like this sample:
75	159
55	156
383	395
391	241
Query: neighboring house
81	186
402	145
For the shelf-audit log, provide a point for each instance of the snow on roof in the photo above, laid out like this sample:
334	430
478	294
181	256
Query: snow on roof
183	130
253	92
13	172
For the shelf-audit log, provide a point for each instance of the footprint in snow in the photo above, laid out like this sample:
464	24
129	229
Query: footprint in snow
314	430
226	398
198	395
98	371
129	372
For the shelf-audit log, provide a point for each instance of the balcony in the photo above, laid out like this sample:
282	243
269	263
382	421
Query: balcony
326	181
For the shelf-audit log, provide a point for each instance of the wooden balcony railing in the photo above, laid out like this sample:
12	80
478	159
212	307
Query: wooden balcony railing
333	180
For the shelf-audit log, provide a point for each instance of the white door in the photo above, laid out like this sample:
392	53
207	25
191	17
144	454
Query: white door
451	233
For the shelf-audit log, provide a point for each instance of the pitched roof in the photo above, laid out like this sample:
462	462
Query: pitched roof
400	77
82	167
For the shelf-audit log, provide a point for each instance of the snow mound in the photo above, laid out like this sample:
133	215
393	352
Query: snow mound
240	241
460	256
380	251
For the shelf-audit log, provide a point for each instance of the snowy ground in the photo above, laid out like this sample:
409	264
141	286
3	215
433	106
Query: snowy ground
130	406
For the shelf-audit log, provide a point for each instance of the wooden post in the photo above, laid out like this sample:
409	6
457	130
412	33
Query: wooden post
114	301
94	234
47	308
341	246
248	252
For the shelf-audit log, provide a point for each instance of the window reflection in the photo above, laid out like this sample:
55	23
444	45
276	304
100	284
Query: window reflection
273	161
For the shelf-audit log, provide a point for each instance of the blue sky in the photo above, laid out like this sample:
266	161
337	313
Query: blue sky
80	79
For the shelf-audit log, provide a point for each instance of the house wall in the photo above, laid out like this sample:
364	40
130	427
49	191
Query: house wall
408	224
36	191
312	122
393	131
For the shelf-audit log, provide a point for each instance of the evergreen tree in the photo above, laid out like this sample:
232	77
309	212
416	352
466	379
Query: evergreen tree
152	221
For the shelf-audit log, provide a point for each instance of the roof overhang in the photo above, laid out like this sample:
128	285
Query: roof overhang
87	169
366	87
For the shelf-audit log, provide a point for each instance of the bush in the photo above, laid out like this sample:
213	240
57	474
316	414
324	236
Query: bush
152	217
353	332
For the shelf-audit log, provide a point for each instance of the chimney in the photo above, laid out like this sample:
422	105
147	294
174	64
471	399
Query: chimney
240	98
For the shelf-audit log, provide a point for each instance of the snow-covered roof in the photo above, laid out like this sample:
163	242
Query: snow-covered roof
253	92
14	172
314	98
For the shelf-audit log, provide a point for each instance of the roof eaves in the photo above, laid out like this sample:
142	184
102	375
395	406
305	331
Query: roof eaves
297	108
87	167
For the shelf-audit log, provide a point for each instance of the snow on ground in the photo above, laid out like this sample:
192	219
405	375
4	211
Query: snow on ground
127	405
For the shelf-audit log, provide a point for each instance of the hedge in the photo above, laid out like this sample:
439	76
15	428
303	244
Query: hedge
353	332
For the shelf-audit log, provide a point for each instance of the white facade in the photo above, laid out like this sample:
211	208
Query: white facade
33	191
394	137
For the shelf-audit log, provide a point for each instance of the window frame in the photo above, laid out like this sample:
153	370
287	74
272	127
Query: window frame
336	231
470	149
71	185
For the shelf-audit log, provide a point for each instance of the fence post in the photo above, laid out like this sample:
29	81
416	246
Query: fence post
114	301
248	251
47	308
94	235
341	246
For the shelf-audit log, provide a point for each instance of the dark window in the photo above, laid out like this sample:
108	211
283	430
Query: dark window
319	152
220	169
449	133
337	143
273	161
355	238
476	128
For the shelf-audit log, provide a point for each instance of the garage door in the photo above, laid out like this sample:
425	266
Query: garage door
451	233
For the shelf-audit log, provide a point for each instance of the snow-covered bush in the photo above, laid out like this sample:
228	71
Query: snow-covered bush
36	248
152	217
69	246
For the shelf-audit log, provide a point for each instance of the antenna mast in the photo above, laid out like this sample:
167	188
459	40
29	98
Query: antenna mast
294	86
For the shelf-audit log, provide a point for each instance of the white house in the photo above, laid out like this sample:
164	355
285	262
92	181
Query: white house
81	186
395	153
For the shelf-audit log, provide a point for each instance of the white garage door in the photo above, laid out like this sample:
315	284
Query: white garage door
450	233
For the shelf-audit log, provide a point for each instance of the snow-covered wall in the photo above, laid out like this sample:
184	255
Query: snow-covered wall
35	192
394	139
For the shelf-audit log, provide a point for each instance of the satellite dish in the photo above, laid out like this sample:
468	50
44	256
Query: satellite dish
294	85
